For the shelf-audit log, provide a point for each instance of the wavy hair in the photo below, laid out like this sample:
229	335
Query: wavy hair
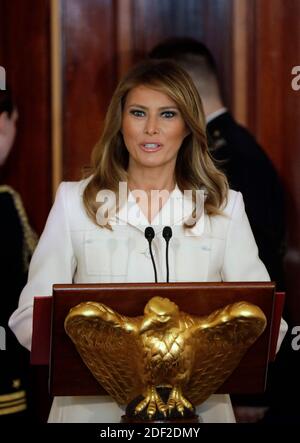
194	168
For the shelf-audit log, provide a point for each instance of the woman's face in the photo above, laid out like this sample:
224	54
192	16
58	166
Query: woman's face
153	128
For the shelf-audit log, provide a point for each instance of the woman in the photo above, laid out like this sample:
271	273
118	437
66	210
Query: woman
153	139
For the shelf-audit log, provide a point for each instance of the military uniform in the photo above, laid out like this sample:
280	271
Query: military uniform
250	171
17	244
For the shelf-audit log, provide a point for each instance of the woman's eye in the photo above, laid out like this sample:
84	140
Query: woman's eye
168	114
137	113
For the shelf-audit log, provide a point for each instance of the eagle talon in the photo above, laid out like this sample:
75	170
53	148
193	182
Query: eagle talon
153	402
178	401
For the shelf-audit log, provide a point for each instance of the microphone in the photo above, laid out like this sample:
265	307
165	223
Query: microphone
167	234
150	234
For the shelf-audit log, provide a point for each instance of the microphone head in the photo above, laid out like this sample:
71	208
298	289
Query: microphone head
167	233
149	233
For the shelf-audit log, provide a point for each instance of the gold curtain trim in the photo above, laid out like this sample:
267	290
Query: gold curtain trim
30	237
13	396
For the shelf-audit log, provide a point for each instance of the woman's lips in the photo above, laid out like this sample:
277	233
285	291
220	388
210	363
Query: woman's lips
151	147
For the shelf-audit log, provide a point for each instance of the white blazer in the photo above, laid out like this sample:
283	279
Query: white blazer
73	249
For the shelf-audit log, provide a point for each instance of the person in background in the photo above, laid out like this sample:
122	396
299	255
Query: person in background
236	152
17	244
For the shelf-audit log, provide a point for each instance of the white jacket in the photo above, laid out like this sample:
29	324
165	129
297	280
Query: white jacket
73	249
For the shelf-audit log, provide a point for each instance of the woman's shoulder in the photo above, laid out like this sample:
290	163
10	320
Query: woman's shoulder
69	197
232	210
73	188
234	203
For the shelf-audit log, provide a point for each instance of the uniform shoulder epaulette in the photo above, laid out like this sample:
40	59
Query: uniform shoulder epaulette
29	236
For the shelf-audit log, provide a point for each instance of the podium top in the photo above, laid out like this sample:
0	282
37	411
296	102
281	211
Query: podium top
69	375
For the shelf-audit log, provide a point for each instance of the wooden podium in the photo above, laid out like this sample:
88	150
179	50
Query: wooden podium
70	376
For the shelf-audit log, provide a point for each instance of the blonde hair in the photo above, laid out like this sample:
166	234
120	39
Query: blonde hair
194	166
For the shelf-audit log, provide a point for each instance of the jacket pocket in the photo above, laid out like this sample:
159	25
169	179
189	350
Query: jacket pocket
105	254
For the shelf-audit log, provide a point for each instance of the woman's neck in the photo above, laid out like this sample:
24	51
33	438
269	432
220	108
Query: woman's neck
151	180
147	183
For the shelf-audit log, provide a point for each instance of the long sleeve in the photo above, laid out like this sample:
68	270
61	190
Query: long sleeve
241	260
53	262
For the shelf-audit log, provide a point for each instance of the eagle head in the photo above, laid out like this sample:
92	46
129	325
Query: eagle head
159	312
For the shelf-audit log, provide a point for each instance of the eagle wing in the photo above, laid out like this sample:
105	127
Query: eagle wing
220	341
109	345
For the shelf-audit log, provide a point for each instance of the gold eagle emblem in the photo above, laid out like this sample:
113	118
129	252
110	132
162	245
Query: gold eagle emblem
164	348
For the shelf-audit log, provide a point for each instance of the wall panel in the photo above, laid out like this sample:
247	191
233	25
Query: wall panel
89	77
25	46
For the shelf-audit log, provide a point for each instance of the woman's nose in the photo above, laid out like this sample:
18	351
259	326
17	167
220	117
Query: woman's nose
151	126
